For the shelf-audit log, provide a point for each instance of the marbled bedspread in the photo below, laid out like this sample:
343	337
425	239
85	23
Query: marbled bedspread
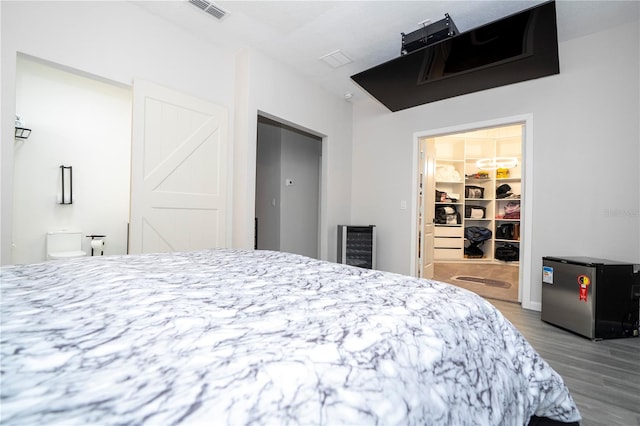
258	337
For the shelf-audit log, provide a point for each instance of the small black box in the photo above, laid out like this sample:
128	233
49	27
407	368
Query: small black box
428	34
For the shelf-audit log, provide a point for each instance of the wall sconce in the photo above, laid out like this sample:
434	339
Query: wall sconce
496	163
22	132
66	196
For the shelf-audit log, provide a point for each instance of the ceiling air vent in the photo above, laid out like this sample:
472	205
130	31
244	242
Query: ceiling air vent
336	59
209	8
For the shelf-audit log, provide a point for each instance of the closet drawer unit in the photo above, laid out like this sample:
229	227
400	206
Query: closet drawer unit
445	242
448	254
449	231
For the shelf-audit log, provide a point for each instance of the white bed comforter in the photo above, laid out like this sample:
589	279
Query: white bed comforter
257	337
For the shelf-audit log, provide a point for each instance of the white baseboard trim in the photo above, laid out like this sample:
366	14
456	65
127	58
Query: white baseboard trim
533	306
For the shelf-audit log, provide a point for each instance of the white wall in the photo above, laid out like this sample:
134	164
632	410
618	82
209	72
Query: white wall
120	41
585	154
80	122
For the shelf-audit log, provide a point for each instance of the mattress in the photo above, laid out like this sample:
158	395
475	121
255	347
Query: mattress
259	337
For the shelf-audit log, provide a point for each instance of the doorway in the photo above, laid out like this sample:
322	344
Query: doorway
85	121
478	178
288	165
77	120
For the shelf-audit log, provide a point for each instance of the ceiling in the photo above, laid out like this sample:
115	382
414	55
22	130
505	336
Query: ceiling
299	33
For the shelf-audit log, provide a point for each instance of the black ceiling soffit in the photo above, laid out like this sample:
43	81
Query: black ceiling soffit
520	47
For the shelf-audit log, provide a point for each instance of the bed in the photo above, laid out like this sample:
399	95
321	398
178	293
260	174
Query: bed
259	337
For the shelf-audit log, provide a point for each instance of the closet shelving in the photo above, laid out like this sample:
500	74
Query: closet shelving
449	178
476	187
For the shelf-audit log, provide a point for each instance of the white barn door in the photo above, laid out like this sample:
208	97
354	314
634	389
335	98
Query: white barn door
178	171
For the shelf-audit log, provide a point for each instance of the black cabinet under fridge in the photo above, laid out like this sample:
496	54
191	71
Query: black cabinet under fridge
357	245
595	298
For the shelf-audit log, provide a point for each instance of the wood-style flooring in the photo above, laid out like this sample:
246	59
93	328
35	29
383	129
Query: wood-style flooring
603	376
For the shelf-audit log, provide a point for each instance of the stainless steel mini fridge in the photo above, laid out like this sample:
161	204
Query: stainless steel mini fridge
596	298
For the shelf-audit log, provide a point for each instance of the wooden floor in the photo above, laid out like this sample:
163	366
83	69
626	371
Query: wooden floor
603	376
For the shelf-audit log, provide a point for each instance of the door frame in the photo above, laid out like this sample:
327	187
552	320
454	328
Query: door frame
524	287
322	178
424	223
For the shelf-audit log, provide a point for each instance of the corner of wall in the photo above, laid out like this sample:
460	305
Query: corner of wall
242	151
7	114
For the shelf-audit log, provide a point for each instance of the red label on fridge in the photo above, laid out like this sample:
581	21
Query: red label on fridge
583	282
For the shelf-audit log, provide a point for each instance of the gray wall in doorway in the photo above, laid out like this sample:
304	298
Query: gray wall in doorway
287	189
268	193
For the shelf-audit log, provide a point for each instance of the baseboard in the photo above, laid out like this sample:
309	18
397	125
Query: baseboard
532	306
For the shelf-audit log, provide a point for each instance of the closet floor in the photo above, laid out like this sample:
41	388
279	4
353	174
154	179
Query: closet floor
488	280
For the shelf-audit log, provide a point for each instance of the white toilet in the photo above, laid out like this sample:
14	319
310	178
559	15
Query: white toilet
64	245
